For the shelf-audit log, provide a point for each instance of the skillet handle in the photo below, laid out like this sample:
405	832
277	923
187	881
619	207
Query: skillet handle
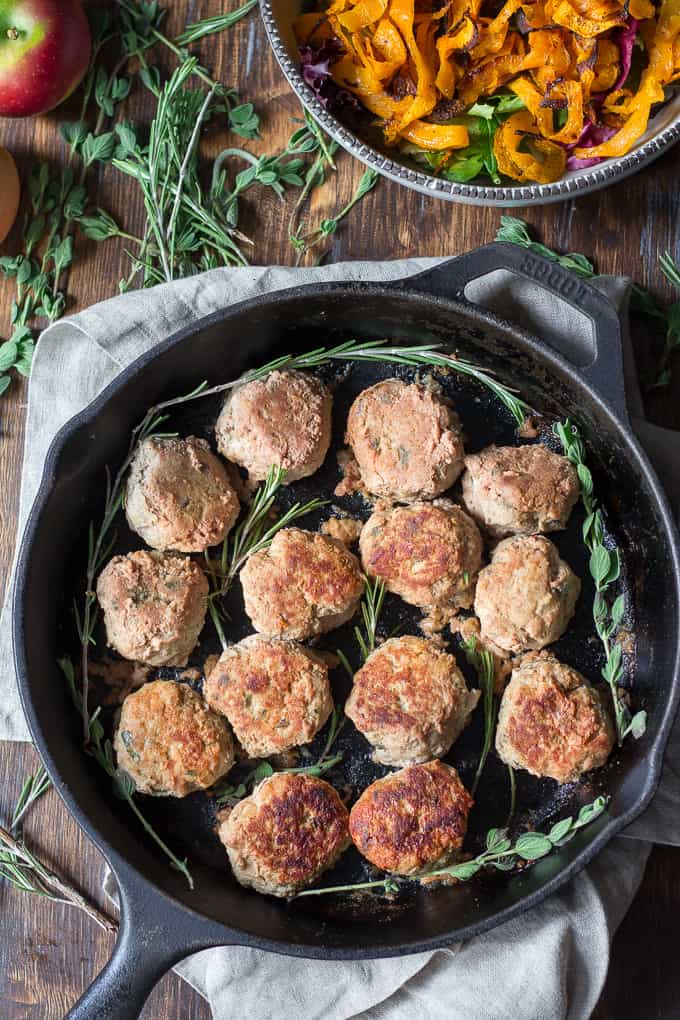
154	935
599	361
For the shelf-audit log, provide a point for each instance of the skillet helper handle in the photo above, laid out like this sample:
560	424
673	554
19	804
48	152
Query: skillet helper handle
151	940
600	364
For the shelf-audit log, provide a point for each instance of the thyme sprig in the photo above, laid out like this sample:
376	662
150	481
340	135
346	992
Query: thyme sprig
605	567
22	869
481	659
500	853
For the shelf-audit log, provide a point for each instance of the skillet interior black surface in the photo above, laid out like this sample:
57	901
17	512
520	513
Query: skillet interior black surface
222	348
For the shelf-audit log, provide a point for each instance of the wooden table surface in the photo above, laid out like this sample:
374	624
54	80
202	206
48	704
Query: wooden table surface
49	953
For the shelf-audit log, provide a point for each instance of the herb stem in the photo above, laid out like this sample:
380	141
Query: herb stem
27	872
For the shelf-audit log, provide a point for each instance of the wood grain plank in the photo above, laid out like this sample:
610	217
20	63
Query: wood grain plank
49	953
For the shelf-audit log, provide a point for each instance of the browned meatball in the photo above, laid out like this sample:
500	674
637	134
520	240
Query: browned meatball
412	821
290	830
283	419
303	584
429	553
169	742
406	439
178	495
154	606
526	596
515	490
274	693
410	701
552	722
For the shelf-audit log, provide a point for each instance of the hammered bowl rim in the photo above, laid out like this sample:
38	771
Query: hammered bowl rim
581	182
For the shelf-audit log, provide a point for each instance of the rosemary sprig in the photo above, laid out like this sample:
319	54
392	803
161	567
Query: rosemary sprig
371	608
99	747
427	355
499	853
21	868
34	787
482	661
209	26
251	536
605	567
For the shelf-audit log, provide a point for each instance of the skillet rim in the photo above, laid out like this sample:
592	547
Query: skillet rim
127	873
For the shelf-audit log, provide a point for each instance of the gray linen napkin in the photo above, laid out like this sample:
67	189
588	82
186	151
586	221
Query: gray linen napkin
545	965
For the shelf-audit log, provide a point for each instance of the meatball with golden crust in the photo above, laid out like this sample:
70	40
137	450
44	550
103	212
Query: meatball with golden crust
169	742
526	596
154	606
303	584
285	834
178	495
519	490
552	721
413	820
283	419
410	701
275	694
406	439
428	553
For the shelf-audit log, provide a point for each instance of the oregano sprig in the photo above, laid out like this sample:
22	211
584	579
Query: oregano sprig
230	793
305	242
605	567
500	853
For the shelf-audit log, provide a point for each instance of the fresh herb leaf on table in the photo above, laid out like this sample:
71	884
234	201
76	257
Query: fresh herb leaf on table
604	569
500	853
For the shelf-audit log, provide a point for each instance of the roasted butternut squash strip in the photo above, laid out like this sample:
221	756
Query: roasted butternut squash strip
435	137
659	72
363	14
545	164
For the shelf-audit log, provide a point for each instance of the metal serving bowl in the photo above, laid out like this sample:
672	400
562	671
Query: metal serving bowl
662	132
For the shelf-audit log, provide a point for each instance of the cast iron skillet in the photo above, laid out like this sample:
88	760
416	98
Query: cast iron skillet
162	921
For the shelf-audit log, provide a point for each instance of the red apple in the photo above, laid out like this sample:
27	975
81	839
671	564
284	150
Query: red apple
44	52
